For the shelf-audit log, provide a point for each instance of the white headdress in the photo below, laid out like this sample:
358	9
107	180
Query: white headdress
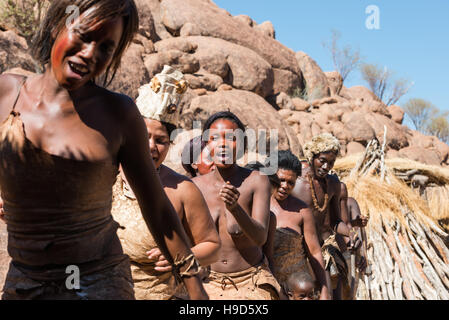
324	142
158	100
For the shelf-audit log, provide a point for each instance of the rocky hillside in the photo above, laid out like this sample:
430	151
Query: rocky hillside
233	63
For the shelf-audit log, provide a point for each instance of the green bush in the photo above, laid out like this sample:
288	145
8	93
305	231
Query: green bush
23	15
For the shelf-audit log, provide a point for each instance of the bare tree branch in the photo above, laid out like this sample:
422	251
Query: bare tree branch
381	82
345	60
419	111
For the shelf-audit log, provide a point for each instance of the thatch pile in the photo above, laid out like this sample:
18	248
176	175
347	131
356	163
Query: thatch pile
407	250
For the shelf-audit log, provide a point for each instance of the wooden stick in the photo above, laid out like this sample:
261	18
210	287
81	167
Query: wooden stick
391	243
410	270
382	161
397	282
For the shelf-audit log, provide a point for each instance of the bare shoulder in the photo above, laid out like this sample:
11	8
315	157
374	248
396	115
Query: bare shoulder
123	113
255	177
333	182
9	84
7	80
176	180
9	89
187	189
118	103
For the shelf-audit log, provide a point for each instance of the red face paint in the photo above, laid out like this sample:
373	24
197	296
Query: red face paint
88	53
57	56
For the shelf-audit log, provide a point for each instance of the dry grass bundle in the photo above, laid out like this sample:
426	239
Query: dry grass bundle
438	201
375	197
407	250
438	175
436	192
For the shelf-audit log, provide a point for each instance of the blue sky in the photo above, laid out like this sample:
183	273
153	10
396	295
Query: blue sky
413	39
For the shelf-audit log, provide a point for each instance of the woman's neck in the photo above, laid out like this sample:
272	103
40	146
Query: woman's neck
224	174
53	90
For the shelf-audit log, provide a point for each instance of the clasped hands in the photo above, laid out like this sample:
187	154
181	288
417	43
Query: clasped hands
230	196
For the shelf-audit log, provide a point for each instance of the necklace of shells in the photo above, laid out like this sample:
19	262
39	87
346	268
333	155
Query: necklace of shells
315	201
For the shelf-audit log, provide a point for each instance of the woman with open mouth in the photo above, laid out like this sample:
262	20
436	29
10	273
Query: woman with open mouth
62	139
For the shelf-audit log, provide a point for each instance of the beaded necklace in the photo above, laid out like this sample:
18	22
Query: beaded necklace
314	199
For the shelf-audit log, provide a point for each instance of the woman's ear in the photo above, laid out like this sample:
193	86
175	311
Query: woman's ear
194	166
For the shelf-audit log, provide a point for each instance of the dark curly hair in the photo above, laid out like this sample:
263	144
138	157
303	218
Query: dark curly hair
223	115
288	161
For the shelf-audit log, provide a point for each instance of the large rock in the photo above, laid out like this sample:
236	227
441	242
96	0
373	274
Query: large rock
216	63
417	139
147	25
300	104
132	73
283	101
360	130
339	130
300	118
243	18
244	104
182	61
354	148
190	29
215	22
321	119
315	79
179	44
397	113
330	111
151	20
266	28
335	82
442	149
286	81
427	156
240	67
373	106
13	52
207	81
359	93
396	136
